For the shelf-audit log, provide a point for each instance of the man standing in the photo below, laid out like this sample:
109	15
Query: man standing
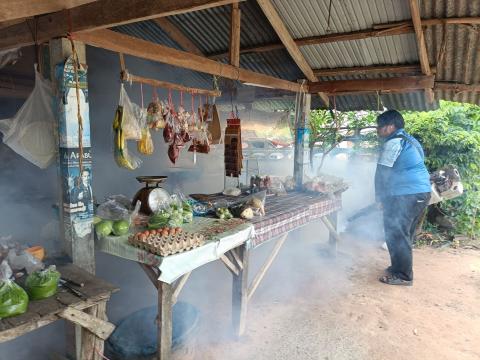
402	187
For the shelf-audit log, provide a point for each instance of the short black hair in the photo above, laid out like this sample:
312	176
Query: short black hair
391	117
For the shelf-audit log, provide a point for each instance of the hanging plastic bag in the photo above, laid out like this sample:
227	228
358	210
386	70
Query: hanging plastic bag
145	145
30	133
127	125
214	127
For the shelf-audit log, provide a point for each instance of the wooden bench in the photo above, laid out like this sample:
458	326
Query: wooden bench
87	314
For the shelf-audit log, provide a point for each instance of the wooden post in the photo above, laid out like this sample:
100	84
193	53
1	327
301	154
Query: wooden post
302	109
234	53
165	308
240	293
76	194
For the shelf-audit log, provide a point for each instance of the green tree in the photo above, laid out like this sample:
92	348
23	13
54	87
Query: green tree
451	135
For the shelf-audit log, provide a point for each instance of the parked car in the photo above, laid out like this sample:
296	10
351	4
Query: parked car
265	149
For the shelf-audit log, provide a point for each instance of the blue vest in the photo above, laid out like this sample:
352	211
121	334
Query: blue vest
404	155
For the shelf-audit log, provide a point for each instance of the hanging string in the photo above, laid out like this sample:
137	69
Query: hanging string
34	32
329	17
141	93
76	65
181	99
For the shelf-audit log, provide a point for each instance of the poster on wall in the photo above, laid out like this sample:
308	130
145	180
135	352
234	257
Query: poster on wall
77	194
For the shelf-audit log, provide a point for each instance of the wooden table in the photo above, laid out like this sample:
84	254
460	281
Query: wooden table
88	314
283	214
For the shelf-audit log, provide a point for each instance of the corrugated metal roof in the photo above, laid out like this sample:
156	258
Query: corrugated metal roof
306	18
460	62
209	30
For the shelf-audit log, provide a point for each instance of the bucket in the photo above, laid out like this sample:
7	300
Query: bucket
135	337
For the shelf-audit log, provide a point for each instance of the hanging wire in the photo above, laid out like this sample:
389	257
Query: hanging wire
329	17
76	66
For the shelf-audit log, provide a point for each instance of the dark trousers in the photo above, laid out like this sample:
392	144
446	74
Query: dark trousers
401	215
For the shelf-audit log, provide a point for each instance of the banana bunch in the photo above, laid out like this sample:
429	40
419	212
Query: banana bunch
122	158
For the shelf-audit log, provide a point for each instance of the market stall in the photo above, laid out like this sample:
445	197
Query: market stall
191	35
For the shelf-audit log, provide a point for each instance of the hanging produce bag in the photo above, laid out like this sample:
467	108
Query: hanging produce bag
30	133
155	113
145	145
42	284
127	125
214	127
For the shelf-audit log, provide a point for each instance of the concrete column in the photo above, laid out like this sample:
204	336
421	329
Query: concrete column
76	194
302	111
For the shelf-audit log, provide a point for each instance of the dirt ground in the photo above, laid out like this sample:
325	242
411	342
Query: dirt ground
313	307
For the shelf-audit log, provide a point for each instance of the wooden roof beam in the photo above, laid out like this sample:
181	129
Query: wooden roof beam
287	40
422	48
379	30
368	70
474	20
19	9
100	14
178	36
444	85
404	83
120	43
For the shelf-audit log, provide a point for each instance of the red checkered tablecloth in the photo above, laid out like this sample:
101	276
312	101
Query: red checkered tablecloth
288	212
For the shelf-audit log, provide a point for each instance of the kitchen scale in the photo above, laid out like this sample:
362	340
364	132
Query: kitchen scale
152	196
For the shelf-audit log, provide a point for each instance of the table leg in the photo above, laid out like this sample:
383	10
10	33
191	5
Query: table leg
165	307
332	238
88	349
240	293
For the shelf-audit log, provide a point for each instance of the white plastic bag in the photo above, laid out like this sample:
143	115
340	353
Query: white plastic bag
30	133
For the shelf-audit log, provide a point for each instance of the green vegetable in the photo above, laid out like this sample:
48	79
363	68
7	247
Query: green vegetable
13	299
187	207
120	227
175	220
42	284
187	216
223	213
104	228
158	220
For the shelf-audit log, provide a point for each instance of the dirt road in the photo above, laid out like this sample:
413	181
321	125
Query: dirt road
312	307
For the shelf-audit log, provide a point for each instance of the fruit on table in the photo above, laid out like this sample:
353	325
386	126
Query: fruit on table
224	214
104	228
120	227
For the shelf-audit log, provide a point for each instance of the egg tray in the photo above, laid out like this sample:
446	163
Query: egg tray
167	245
